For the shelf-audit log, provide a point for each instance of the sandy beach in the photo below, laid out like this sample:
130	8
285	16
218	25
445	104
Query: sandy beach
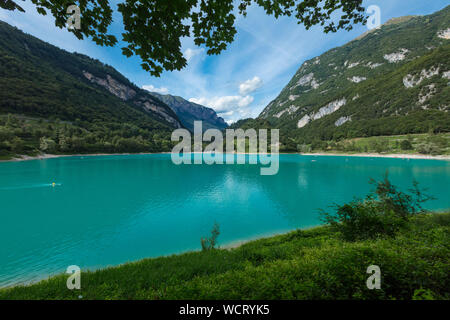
378	155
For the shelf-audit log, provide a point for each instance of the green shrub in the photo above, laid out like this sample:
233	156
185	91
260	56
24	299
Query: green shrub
406	145
381	213
429	148
377	146
423	294
211	242
319	145
303	148
47	144
363	220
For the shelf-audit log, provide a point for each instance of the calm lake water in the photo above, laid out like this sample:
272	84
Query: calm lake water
108	210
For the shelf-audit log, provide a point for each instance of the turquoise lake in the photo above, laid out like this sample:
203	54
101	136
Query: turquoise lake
108	210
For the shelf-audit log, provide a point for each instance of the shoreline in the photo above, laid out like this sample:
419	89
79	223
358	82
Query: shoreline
232	245
45	156
379	155
366	155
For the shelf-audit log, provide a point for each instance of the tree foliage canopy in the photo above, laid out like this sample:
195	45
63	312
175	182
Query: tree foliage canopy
154	28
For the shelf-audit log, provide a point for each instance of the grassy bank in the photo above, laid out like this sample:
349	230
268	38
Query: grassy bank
304	264
423	144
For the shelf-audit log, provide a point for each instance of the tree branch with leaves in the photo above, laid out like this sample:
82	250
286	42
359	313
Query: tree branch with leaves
154	28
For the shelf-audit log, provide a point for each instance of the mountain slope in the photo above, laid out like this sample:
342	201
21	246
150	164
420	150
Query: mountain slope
39	80
188	112
392	80
68	80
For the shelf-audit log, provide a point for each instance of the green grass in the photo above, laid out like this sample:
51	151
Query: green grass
393	143
427	144
304	264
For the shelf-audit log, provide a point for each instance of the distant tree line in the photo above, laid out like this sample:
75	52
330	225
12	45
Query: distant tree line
24	135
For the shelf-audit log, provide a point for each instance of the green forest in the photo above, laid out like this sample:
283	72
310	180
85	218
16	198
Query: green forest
21	135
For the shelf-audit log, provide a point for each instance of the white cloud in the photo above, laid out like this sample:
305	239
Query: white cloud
250	85
190	53
226	114
232	107
151	88
230	122
225	104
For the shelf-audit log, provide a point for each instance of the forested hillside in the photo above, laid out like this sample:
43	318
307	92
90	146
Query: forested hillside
392	80
61	102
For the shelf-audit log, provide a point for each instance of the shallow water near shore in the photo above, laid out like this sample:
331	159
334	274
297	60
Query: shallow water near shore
108	210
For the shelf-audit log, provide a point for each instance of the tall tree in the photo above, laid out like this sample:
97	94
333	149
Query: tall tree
153	28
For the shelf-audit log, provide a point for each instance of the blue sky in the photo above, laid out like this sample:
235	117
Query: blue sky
241	81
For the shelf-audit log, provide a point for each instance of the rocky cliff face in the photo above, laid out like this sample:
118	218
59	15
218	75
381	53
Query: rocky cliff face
112	85
188	112
151	104
144	100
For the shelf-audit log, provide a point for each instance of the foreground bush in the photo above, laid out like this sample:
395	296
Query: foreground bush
382	213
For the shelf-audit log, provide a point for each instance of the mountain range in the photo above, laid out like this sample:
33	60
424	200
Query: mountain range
391	80
188	112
